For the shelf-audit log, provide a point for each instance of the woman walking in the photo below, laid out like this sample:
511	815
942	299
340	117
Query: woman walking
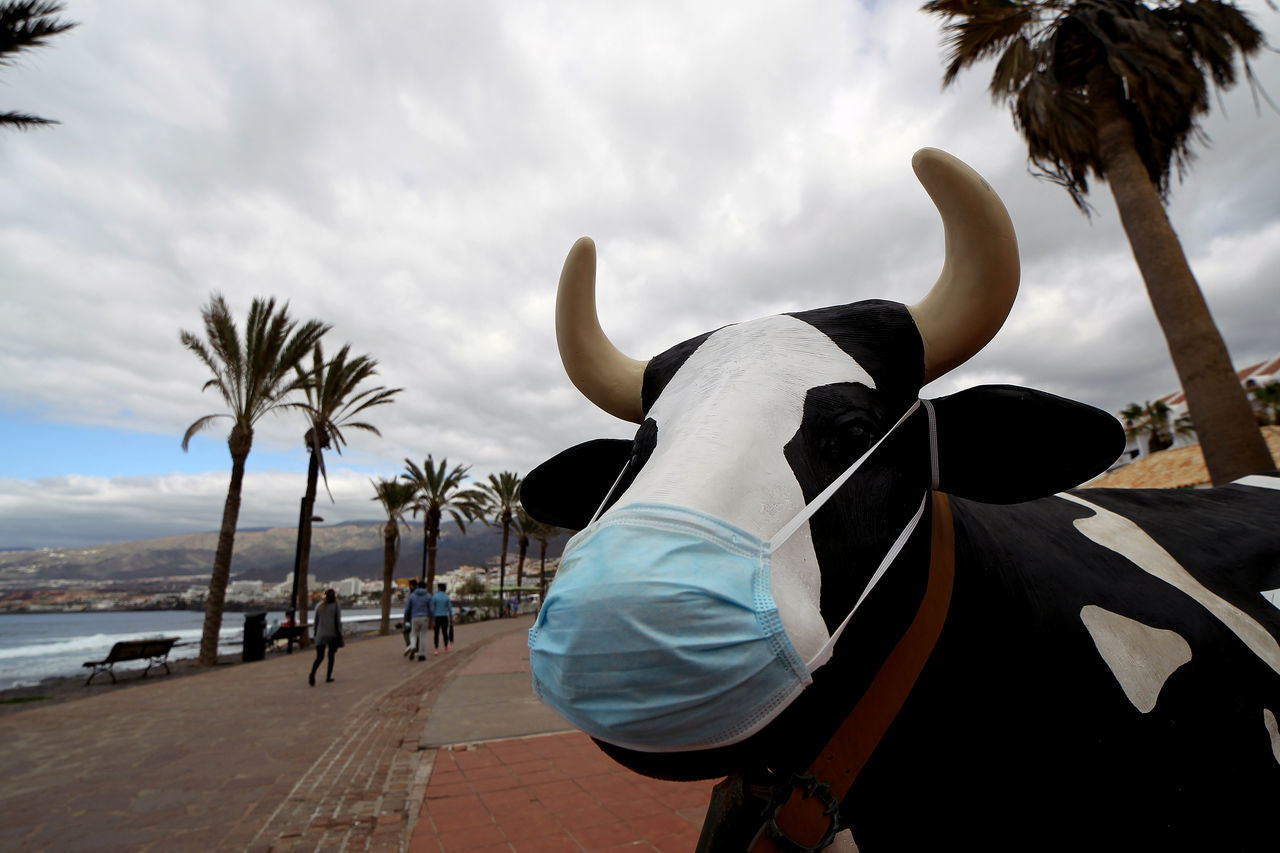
328	623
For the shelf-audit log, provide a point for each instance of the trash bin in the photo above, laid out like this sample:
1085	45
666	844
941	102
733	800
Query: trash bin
255	644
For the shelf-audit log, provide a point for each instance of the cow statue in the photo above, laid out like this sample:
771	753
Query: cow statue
882	618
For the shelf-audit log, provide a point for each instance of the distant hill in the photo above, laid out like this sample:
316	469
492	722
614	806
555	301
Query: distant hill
337	551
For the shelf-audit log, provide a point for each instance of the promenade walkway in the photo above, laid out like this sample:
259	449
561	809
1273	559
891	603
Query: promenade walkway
447	755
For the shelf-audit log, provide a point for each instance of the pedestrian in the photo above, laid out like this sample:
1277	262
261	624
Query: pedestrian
405	624
328	634
417	612
442	609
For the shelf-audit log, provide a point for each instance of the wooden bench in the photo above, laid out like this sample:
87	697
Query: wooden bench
154	652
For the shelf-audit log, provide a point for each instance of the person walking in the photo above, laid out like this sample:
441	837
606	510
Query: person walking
417	612
442	610
328	634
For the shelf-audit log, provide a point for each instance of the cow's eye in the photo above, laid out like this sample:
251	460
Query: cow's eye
848	437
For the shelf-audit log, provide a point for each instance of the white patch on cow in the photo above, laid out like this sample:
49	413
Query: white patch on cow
1259	480
1272	595
1269	720
1125	538
1140	657
842	843
722	422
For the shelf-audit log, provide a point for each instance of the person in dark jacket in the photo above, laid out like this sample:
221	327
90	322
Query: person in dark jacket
441	612
417	612
328	636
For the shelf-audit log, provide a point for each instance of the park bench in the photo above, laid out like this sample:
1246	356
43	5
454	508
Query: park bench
154	651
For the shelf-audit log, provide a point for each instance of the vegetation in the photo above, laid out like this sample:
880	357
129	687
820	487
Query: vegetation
334	400
396	496
254	375
439	491
25	25
1267	403
1116	89
1156	422
502	496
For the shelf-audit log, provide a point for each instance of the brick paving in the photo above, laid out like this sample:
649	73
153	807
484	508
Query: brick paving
248	757
244	757
550	794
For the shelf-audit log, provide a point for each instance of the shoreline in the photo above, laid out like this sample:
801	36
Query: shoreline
68	688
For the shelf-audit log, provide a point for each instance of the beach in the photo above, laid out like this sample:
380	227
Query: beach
248	757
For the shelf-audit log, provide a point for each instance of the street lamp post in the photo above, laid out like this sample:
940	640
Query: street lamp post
297	564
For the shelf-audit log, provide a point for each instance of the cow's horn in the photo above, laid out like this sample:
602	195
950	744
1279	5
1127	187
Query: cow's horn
979	280
601	372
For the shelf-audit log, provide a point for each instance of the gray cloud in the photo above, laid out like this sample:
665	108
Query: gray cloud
415	176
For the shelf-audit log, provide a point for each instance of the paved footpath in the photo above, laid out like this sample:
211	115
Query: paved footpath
244	757
394	755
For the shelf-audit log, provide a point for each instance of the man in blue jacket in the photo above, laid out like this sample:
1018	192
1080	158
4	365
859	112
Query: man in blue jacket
442	611
418	612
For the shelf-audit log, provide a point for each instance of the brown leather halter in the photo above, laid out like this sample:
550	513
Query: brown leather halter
803	816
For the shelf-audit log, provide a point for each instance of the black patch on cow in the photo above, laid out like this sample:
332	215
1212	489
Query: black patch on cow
855	528
882	337
1019	730
664	366
1005	444
568	489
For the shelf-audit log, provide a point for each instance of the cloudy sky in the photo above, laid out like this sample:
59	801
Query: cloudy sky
415	174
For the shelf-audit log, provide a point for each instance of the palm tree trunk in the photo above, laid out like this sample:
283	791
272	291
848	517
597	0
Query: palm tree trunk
1229	438
239	443
502	568
304	547
433	540
426	547
524	549
389	535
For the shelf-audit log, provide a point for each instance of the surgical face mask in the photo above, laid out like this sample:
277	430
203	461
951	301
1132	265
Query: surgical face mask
660	633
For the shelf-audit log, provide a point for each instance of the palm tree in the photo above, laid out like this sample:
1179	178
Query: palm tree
440	491
1267	398
1156	422
523	521
24	25
334	400
396	497
1116	89
254	376
542	534
502	496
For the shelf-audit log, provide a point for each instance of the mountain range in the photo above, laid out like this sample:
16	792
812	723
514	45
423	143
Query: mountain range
346	549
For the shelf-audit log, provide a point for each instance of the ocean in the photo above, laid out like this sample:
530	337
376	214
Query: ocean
35	646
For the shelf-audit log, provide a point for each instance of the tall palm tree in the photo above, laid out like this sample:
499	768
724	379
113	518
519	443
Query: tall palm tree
1156	422
523	522
333	401
396	496
440	491
254	375
1116	89
24	25
502	496
542	534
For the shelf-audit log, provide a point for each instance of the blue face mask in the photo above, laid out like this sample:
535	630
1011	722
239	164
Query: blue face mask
660	633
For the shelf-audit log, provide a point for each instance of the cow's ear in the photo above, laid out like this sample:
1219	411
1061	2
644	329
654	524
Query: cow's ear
568	488
1005	444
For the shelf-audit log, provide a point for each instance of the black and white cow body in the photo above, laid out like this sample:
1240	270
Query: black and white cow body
1108	672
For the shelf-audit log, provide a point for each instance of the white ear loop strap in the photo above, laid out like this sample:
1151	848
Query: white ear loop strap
816	504
604	503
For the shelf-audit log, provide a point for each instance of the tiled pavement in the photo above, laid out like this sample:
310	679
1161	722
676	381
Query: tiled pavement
552	794
250	758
